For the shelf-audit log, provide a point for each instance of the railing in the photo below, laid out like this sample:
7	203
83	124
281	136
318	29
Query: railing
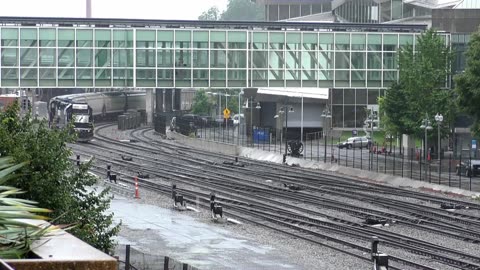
5	266
409	163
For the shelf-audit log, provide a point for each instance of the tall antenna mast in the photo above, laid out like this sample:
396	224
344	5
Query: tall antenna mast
89	8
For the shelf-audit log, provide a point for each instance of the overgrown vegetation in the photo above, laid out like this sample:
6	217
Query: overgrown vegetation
53	181
237	10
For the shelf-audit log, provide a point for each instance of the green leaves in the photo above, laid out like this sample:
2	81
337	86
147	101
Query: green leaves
468	84
422	86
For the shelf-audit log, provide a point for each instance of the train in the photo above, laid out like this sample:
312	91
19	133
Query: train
89	108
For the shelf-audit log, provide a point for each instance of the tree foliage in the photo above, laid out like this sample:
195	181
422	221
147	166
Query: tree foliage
421	88
212	14
237	10
468	83
201	103
52	180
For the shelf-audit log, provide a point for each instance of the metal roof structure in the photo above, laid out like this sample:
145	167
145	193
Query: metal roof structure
179	24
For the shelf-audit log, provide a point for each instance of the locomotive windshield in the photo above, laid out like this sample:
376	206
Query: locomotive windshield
82	118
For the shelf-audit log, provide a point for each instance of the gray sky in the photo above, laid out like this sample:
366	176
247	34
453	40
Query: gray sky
137	9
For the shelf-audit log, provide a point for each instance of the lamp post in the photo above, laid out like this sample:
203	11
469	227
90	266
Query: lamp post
239	116
325	114
426	125
439	119
285	110
258	107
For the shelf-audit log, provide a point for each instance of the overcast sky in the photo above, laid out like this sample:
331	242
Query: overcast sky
137	9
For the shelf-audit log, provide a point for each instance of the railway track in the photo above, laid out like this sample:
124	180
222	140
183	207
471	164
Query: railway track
259	202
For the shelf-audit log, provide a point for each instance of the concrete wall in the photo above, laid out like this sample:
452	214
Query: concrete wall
456	20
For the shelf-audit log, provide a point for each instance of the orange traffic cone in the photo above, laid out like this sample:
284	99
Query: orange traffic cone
137	196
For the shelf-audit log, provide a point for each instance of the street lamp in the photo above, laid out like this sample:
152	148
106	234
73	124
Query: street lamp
426	125
239	116
439	119
258	107
285	110
325	114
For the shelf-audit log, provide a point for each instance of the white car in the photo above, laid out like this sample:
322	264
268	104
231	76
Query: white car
237	118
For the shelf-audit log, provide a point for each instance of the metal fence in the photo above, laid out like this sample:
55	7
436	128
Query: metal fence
134	259
409	163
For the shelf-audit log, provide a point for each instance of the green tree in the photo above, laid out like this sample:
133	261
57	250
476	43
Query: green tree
237	10
212	14
201	103
421	89
53	181
468	83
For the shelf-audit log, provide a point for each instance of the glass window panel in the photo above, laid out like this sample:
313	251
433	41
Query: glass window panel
103	77
146	77
165	39
309	60
84	38
342	78
325	60
9	57
10	74
374	60
102	57
218	39
372	96
337	96
361	95
310	41
47	57
102	38
123	77
200	74
358	60
200	39
259	75
389	60
145	58
218	59
273	12
164	74
358	78
293	41
84	77
259	59
283	12
406	39
47	76
183	59
342	60
276	75
277	40
146	35
28	37
389	77
294	11
123	58
217	75
374	79
326	75
237	59
9	37
390	42
165	58
84	57
66	74
305	9
66	57
28	57
234	74
337	116
237	40
358	42
181	35
293	59
122	38
349	96
47	37
276	59
309	75
28	77
374	42
293	74
342	41
326	41
66	37
349	116
260	40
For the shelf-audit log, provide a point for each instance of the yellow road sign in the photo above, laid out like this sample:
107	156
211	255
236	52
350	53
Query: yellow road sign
226	113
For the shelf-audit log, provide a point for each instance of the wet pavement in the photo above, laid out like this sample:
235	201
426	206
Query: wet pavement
164	232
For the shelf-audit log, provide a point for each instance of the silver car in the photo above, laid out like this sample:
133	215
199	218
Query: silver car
355	142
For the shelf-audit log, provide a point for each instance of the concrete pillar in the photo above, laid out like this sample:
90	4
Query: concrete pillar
159	108
149	106
168	99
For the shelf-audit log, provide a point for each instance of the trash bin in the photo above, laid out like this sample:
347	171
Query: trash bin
261	135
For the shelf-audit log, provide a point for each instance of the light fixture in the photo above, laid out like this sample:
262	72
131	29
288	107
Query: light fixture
258	106
438	117
281	110
276	116
291	110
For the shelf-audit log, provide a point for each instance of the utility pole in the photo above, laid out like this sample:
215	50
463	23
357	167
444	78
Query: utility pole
89	8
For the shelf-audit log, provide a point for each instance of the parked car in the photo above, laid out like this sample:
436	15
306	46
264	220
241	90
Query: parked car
355	142
467	169
238	118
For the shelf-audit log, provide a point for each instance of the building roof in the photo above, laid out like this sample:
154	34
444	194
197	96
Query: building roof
432	4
